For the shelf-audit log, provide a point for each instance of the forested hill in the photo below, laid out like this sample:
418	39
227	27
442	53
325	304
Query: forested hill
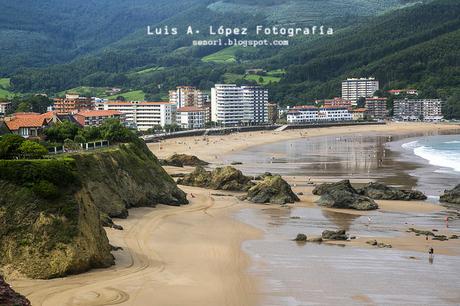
416	46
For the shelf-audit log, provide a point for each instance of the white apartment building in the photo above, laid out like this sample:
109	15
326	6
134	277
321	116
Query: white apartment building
233	105
308	114
191	117
416	109
143	115
187	96
353	88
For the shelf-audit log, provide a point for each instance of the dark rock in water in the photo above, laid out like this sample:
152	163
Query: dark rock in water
116	248
9	297
379	191
334	235
226	178
420	232
177	174
343	195
117	227
301	238
180	160
440	237
300	193
236	163
384	245
372	242
273	189
453	237
451	196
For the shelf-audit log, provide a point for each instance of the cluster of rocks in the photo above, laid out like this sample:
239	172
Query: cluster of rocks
431	234
379	191
9	297
303	238
225	178
181	160
334	235
379	244
272	189
451	196
343	195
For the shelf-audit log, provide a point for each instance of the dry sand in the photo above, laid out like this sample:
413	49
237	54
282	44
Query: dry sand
171	256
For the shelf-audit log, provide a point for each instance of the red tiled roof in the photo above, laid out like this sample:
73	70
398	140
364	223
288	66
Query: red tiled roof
304	107
24	114
99	113
359	110
16	123
190	109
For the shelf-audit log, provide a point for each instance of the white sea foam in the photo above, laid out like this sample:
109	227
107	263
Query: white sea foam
447	159
410	145
453	141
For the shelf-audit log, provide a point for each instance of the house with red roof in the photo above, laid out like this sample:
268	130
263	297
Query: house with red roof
97	117
28	125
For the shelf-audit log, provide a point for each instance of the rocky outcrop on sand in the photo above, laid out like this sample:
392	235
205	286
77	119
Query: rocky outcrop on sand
343	195
52	211
451	196
334	235
225	178
273	189
180	160
130	176
301	238
9	297
379	191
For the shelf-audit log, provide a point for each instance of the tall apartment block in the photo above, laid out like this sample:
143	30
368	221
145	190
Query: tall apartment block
416	109
185	96
353	89
376	107
233	105
72	104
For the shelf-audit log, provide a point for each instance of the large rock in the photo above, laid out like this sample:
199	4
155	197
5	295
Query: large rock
180	160
379	191
451	196
334	235
9	297
273	189
343	195
225	178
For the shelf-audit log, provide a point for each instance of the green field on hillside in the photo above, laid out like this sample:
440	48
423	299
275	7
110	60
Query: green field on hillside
85	91
226	55
135	95
266	79
5	89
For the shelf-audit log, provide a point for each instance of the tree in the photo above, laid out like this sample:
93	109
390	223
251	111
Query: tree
114	131
9	146
24	107
61	131
452	107
32	150
361	102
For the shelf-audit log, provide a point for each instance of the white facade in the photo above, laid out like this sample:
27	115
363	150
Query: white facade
143	115
4	108
353	89
233	105
416	109
191	117
308	114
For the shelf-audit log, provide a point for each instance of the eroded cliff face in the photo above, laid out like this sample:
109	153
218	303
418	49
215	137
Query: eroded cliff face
50	210
130	176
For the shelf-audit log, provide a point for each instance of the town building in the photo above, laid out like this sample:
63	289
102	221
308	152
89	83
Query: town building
418	109
72	104
336	102
358	114
310	114
191	117
272	113
234	105
353	89
376	107
4	108
187	96
97	117
397	92
143	115
28	125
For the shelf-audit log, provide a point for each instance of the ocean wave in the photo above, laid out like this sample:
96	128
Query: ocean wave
439	158
410	145
452	142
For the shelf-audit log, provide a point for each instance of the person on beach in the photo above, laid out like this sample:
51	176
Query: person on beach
447	221
431	252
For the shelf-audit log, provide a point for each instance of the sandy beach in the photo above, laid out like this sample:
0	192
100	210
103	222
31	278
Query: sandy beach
193	255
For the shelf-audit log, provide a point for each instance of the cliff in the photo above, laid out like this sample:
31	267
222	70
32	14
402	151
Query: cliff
50	210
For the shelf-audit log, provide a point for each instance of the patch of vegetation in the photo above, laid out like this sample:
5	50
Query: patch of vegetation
135	95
